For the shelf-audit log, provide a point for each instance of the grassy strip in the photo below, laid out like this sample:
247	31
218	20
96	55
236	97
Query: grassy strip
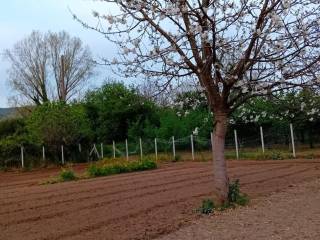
97	170
103	168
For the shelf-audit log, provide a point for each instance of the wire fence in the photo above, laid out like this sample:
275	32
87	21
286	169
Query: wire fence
259	144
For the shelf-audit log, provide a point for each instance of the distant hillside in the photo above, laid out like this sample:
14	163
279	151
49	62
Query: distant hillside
6	112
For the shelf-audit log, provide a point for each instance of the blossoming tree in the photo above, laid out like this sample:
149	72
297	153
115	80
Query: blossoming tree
235	50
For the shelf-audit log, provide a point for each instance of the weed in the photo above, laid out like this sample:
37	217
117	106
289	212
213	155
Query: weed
235	196
67	175
207	207
276	156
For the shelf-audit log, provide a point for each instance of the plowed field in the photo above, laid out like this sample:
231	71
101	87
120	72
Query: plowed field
129	206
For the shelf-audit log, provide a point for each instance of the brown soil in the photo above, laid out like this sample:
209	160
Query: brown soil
129	206
291	214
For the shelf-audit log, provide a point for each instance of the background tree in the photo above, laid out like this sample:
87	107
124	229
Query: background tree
114	108
57	123
28	74
235	50
50	66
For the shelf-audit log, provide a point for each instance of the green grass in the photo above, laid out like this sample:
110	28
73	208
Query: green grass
67	174
105	168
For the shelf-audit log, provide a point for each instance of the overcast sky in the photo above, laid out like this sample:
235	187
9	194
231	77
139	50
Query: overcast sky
19	17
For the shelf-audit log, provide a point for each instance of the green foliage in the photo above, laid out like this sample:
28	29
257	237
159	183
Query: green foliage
275	156
97	170
171	124
114	108
235	196
58	123
13	135
207	207
67	174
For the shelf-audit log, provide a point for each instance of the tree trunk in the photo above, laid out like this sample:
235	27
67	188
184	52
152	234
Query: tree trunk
221	182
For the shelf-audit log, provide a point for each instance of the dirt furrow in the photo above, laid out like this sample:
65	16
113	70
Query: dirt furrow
130	206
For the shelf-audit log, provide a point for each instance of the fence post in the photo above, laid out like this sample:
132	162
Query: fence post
22	156
262	139
292	141
43	154
114	149
173	148
62	154
156	148
211	136
101	146
236	143
127	150
141	153
79	147
192	146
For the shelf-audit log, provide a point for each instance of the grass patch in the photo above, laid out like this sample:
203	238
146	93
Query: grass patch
106	168
258	155
207	207
235	197
65	175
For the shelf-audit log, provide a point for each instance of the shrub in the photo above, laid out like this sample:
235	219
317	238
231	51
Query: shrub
207	206
276	156
235	196
96	170
67	175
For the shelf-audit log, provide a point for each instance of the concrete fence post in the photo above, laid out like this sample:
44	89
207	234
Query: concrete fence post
43	153
127	150
114	149
22	156
192	146
236	143
292	141
156	148
173	147
62	154
262	139
141	152
101	146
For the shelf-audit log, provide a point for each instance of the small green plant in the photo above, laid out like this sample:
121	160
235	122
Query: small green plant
207	207
235	196
276	156
67	175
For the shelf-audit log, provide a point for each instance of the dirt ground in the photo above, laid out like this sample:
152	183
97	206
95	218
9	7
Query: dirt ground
293	214
142	205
